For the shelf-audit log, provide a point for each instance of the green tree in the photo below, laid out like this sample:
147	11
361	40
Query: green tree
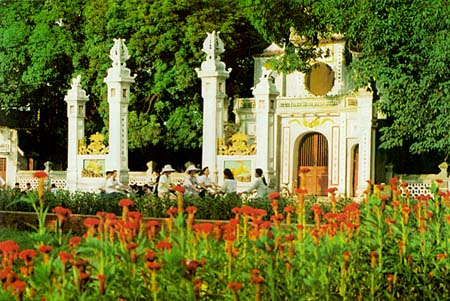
405	57
45	44
37	41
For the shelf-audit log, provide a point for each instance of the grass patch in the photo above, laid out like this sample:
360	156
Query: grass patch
21	237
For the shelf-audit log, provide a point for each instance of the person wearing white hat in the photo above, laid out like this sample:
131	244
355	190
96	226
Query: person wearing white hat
190	181
165	186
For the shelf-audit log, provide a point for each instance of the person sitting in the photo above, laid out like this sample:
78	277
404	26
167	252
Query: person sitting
205	183
190	182
229	183
165	186
259	185
113	185
154	180
103	186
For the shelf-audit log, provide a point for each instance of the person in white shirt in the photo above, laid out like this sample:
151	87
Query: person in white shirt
112	185
165	186
259	185
229	183
205	183
190	182
105	181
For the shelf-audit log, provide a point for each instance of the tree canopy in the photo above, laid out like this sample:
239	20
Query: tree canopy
43	44
405	57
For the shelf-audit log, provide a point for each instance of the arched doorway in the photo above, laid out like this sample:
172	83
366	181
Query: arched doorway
355	164
313	154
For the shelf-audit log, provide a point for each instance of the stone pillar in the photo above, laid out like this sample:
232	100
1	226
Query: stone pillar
213	76
76	111
118	81
265	94
366	140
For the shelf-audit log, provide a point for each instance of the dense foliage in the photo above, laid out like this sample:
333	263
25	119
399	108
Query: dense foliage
44	44
403	50
209	207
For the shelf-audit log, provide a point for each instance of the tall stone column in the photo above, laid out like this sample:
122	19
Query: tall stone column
213	76
118	81
366	170
76	112
265	94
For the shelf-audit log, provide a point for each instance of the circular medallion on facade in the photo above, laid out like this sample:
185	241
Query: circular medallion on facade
320	79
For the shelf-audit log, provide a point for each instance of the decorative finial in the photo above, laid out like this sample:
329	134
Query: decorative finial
213	46
76	81
119	53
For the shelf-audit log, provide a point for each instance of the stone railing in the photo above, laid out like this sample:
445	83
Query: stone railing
420	184
58	178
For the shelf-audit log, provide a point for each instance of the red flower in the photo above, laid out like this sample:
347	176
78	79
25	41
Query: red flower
19	286
331	190
203	228
404	184
235	286
379	187
62	212
27	255
110	216
40	174
45	249
164	245
134	216
299	190
151	224
257	279
229	237
316	208
152	265
74	241
132	246
289	208
9	246
441	256
65	257
290	237
150	255
90	222
393	181
126	203
179	188
171	211
274	196
191	209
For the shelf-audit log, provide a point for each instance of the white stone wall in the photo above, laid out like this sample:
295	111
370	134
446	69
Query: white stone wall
9	150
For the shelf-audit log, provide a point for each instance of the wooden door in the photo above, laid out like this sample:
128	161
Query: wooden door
3	168
313	154
355	164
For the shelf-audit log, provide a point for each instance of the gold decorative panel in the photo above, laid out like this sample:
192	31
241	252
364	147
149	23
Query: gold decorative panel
313	123
236	145
95	147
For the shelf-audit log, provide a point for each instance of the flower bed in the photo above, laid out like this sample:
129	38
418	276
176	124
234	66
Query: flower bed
386	248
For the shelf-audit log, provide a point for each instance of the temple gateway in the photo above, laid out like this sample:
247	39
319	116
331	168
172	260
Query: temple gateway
295	122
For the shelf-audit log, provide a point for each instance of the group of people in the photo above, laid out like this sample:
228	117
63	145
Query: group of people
111	184
198	183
